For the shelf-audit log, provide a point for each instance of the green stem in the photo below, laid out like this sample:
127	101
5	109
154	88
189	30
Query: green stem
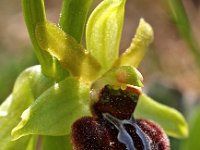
182	23
73	17
34	13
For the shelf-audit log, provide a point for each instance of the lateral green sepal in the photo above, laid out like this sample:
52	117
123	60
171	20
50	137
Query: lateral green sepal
55	110
168	118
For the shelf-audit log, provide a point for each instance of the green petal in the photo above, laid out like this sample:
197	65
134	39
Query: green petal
103	31
56	143
26	89
55	110
118	77
135	53
168	118
73	17
65	48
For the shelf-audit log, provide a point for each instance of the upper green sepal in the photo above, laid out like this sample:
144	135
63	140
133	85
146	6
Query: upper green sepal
103	31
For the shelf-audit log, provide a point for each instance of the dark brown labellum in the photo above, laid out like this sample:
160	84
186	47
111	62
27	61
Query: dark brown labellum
113	127
109	133
160	140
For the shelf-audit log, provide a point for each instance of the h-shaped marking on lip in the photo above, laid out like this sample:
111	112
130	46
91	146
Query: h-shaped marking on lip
123	136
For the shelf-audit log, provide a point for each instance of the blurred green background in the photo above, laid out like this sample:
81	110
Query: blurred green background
171	68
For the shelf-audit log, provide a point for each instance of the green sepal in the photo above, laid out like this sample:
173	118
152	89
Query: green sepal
28	86
73	17
56	143
139	45
65	48
168	118
55	110
117	77
103	31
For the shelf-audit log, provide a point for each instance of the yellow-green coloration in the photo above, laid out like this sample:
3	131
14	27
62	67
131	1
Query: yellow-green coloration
103	32
169	119
69	53
67	101
28	86
50	97
135	53
50	66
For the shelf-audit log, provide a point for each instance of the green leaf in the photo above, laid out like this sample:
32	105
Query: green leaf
34	13
193	141
135	53
180	17
182	23
103	31
168	118
73	17
55	110
28	86
56	143
65	48
117	77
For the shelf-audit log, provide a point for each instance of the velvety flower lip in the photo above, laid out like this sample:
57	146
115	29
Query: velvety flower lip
125	137
113	126
110	133
159	138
